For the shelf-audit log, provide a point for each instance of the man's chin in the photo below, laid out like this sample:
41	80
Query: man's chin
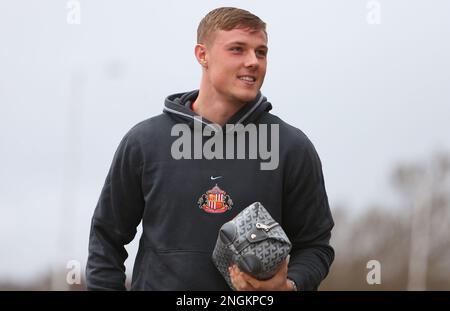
245	97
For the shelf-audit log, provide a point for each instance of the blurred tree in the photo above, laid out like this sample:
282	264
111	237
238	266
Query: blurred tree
411	241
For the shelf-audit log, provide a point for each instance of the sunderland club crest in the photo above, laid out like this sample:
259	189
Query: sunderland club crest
215	200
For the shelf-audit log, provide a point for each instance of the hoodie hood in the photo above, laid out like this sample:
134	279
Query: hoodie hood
178	106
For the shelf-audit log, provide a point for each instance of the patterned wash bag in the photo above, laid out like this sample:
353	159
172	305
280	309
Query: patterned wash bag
254	241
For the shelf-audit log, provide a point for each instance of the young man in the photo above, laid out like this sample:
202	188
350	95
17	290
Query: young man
183	190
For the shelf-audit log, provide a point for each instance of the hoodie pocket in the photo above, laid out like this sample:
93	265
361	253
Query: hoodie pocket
181	270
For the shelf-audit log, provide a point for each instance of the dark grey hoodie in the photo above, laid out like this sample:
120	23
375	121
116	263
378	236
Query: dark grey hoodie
145	183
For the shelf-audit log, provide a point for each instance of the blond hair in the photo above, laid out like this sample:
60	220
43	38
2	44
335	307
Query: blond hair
227	18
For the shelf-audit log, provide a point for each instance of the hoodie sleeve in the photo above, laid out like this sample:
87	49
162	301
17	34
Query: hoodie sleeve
307	218
116	216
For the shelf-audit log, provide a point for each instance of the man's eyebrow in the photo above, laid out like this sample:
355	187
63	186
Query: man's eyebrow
263	46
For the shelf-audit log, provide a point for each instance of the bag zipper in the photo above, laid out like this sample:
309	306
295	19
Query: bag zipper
265	227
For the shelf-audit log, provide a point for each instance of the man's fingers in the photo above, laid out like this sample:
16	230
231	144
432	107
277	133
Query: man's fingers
256	284
286	263
244	275
238	280
234	279
244	281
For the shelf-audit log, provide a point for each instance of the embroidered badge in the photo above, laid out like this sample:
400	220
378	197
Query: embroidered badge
215	200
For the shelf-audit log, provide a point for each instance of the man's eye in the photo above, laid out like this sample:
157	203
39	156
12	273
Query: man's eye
261	53
236	49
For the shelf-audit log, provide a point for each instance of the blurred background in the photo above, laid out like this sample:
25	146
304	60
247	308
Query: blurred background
367	81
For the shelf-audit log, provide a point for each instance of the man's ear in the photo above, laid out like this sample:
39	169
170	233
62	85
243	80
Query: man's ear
200	54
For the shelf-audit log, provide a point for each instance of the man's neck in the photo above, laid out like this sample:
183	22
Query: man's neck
215	108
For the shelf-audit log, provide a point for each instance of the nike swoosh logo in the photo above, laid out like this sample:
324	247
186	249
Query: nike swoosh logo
213	178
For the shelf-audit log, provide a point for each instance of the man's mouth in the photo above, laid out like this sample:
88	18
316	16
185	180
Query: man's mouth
247	79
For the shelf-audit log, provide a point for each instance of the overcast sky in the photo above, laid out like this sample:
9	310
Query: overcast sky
369	96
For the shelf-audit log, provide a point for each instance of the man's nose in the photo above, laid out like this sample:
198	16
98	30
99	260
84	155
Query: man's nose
251	60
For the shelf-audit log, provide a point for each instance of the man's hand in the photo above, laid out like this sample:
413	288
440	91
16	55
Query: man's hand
245	282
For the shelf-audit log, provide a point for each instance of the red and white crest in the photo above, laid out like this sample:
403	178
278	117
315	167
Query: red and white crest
215	200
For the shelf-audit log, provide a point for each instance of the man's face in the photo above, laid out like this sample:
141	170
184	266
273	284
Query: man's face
237	61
